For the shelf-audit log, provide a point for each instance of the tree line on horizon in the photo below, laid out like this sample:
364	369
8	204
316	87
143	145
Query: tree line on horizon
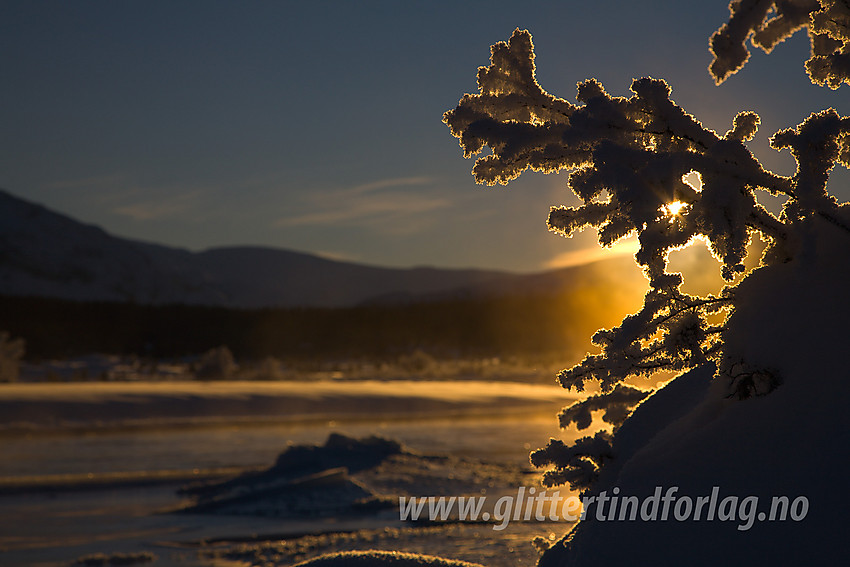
520	324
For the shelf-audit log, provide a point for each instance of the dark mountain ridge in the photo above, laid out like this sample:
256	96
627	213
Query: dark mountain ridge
47	254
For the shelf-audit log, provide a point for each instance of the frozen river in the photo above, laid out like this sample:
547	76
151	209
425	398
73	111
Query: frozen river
216	446
95	441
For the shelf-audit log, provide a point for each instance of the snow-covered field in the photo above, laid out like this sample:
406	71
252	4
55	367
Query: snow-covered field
88	468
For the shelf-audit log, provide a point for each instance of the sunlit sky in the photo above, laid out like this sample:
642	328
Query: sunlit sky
316	126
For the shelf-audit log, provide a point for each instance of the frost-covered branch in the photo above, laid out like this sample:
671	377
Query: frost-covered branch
577	464
670	333
817	144
617	405
628	159
769	22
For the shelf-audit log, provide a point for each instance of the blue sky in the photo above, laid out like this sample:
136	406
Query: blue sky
316	126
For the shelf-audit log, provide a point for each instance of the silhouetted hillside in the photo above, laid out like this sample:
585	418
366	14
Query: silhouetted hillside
46	254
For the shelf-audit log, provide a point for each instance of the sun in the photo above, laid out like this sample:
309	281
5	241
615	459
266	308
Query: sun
674	209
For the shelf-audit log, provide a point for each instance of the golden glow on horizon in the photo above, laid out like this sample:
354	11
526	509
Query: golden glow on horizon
627	246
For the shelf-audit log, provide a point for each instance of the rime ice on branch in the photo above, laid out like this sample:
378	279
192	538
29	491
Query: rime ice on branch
627	158
767	23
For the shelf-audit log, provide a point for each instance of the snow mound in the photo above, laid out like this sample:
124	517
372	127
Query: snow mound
348	476
306	480
382	559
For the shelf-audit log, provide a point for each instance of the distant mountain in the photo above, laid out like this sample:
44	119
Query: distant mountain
46	254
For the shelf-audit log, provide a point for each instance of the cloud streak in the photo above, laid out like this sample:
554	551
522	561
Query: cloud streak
377	204
160	208
387	183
